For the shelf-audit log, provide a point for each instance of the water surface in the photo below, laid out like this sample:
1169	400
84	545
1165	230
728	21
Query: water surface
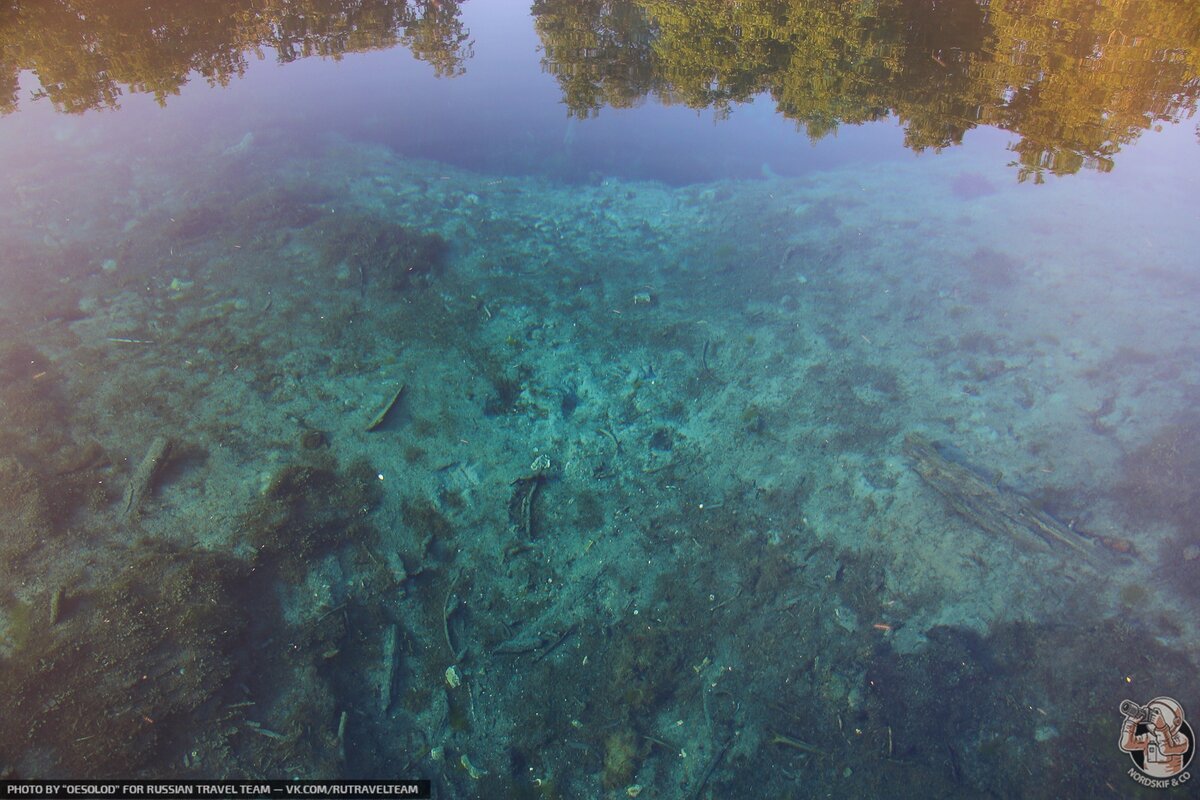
706	400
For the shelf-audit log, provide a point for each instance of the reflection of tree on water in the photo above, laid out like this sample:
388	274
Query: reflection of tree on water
1075	79
87	53
429	28
600	52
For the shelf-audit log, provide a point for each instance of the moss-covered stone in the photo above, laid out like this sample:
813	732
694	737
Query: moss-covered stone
310	508
620	758
387	255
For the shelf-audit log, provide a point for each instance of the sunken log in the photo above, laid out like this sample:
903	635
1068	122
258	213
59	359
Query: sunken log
992	506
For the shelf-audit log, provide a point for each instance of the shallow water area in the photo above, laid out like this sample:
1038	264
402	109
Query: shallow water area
511	403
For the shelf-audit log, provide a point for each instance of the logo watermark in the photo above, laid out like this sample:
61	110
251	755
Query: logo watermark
1159	740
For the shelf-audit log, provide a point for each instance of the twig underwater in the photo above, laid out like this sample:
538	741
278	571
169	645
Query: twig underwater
391	641
141	483
606	432
704	359
383	415
458	654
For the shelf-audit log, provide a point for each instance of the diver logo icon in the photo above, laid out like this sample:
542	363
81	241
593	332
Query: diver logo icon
1159	740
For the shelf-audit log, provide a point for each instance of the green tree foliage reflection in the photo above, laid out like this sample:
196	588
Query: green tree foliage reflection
1074	79
87	53
600	51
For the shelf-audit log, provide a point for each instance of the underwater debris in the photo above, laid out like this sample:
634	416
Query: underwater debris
56	601
522	643
992	506
1117	544
447	612
341	736
475	772
267	732
313	439
612	436
713	763
709	347
383	415
453	678
784	740
390	650
141	483
520	507
562	637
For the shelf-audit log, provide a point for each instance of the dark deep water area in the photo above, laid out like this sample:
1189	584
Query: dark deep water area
694	400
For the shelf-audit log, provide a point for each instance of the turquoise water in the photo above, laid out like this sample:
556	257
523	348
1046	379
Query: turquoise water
405	415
